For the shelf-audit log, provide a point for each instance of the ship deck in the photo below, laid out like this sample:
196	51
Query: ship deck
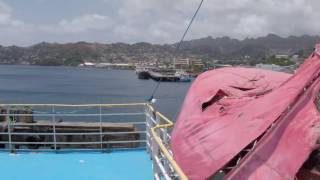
120	165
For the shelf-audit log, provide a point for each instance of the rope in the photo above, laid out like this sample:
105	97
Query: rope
154	91
178	47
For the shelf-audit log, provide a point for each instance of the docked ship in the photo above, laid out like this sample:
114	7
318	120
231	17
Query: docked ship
142	73
183	76
168	75
164	76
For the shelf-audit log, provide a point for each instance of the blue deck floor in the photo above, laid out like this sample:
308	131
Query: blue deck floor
121	165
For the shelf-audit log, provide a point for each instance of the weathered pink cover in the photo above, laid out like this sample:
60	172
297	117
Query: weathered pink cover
244	103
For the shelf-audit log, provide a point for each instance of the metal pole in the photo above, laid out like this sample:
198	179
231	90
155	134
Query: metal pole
165	136
148	132
155	148
166	164
101	136
158	122
54	128
9	127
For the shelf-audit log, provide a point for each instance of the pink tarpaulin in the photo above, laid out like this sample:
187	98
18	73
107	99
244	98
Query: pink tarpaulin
227	109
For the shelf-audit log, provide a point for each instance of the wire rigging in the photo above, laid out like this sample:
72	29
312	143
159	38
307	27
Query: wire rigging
178	47
189	25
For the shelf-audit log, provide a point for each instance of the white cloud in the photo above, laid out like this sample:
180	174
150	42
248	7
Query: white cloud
4	14
164	21
82	24
251	24
86	22
6	17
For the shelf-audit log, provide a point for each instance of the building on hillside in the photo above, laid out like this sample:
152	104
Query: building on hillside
182	63
280	56
197	63
188	63
87	64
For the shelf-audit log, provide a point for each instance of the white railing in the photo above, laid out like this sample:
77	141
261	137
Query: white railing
84	127
110	126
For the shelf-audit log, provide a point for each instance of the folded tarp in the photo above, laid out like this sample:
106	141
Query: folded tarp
227	109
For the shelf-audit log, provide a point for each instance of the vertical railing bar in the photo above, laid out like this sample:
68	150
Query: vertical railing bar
54	128
148	126
166	163
101	135
9	128
158	122
163	134
155	147
147	129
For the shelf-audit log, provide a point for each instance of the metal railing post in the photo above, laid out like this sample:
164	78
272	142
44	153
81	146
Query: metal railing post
155	149
166	164
101	135
148	130
158	122
163	134
9	127
54	128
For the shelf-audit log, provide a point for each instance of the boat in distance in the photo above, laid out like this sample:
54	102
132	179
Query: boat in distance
161	75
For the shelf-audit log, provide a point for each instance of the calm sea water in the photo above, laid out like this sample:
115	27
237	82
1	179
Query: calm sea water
41	84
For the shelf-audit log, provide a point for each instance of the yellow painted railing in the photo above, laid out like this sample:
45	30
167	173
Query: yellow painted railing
168	124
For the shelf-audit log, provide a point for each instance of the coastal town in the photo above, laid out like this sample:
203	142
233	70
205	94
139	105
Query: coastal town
205	53
184	69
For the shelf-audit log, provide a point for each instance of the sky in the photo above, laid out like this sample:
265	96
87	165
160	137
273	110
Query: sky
27	22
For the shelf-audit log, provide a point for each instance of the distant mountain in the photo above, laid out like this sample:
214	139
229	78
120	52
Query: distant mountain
224	49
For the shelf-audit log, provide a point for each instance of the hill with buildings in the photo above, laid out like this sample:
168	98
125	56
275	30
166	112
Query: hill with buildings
222	50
